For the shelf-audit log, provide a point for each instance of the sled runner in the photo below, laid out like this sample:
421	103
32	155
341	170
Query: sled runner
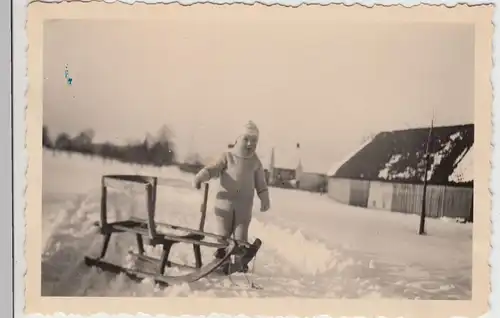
149	232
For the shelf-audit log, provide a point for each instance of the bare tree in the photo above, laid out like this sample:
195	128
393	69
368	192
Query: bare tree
63	142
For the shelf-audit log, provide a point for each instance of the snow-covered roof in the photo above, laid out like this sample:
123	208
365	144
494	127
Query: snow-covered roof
464	170
333	169
401	156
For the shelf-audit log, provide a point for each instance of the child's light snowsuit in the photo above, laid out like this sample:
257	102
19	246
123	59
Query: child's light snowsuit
239	179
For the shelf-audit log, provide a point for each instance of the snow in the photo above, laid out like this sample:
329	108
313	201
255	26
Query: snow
465	167
384	173
444	151
312	247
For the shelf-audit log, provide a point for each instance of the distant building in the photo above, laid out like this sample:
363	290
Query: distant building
285	170
387	172
282	172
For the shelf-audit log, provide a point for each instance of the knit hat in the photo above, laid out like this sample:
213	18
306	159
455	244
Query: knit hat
251	129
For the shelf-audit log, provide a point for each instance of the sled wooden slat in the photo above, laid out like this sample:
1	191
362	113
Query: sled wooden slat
192	231
154	261
192	238
125	185
124	228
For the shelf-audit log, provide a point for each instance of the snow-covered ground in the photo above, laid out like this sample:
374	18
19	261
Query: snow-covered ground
313	246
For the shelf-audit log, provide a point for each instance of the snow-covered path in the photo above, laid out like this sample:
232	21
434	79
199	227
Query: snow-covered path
385	246
313	246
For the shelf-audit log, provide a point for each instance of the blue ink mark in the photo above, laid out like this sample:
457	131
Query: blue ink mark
69	80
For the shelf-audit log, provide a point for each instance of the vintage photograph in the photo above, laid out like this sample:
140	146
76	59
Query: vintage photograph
200	156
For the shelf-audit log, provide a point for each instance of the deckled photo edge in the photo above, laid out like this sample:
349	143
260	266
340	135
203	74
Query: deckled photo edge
38	12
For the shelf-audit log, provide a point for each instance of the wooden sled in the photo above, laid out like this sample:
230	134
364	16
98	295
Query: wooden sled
146	232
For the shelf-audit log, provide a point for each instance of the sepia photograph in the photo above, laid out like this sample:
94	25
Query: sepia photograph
218	155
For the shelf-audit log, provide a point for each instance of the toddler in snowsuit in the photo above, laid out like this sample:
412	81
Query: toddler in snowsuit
240	174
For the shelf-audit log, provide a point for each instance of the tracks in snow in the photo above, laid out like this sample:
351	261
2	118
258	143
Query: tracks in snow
281	267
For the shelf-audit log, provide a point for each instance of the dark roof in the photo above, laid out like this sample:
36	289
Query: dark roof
399	155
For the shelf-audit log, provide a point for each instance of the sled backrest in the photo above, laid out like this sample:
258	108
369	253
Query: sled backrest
136	182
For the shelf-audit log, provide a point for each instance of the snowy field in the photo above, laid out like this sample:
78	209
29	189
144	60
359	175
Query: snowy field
312	246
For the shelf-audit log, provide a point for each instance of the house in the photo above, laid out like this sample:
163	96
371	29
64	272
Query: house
282	168
286	170
387	172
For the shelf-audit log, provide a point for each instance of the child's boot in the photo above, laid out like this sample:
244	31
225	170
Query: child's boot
219	254
248	255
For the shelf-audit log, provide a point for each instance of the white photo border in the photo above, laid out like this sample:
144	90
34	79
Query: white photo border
12	141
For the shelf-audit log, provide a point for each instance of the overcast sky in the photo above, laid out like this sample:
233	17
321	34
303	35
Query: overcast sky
319	83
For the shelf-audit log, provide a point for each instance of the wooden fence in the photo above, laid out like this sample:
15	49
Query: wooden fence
441	201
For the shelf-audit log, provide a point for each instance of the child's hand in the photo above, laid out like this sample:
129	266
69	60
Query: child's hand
202	176
196	184
264	206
